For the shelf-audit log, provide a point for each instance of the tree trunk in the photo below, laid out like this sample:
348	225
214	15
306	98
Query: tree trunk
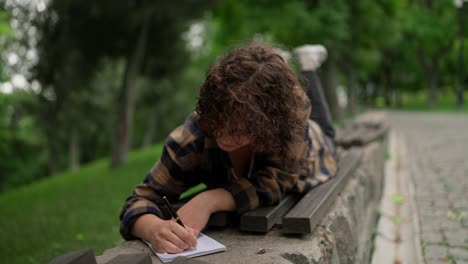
125	102
461	71
330	84
373	96
370	94
387	93
52	157
398	100
430	65
74	151
351	92
432	79
151	130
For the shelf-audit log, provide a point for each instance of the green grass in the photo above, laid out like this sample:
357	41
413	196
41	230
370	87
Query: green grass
418	102
69	211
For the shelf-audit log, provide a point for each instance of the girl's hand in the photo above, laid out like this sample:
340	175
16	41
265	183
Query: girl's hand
165	235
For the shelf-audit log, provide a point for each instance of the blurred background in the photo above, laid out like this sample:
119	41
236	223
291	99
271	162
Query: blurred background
84	83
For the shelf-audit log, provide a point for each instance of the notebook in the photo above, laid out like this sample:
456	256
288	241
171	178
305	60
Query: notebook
205	245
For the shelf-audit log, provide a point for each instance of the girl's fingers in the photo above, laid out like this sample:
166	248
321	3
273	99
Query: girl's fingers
171	248
193	232
176	240
185	235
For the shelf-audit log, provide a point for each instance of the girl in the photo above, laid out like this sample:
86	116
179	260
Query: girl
250	140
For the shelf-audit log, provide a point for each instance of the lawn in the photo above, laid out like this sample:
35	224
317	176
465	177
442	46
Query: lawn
418	102
69	211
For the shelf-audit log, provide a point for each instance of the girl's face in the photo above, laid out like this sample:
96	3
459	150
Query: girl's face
229	143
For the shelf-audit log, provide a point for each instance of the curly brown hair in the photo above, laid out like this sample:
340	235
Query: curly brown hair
250	92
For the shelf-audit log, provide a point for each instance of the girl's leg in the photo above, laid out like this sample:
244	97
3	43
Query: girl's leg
311	57
320	111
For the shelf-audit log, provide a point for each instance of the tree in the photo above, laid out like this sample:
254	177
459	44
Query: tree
430	29
290	23
5	35
144	35
371	36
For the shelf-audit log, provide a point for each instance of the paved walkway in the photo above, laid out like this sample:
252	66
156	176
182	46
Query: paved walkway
437	150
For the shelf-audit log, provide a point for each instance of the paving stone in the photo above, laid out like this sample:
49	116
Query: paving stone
435	251
433	213
460	203
432	237
457	238
441	204
450	225
459	253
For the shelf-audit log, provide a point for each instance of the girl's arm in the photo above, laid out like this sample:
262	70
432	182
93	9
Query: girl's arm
197	211
169	178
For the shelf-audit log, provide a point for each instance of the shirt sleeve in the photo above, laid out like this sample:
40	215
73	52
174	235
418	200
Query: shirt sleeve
325	165
168	177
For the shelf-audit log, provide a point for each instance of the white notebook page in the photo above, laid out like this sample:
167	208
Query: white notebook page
205	245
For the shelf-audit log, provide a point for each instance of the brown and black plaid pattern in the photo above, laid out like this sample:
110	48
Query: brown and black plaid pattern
189	158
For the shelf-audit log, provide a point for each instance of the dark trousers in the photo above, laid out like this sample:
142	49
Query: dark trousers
320	111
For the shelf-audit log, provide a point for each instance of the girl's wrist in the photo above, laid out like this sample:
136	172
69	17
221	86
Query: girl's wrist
217	200
142	228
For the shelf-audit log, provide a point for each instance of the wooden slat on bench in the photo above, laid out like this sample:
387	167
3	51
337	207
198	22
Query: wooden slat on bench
220	219
376	134
263	219
360	134
310	210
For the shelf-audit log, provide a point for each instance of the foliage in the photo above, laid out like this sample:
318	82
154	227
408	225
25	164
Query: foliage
5	34
20	144
144	35
381	51
417	101
429	29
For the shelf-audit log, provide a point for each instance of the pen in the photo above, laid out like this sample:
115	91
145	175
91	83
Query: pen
173	212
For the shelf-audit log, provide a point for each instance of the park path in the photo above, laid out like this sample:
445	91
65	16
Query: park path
433	151
437	148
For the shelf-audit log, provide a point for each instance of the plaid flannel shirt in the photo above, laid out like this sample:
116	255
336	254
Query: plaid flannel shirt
189	157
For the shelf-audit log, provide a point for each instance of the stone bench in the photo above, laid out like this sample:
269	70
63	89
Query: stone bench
333	223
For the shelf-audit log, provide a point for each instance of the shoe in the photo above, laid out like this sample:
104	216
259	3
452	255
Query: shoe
310	56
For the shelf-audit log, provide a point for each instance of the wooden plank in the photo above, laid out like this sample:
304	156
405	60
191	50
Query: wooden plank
83	256
359	134
140	258
376	134
220	219
310	210
263	219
